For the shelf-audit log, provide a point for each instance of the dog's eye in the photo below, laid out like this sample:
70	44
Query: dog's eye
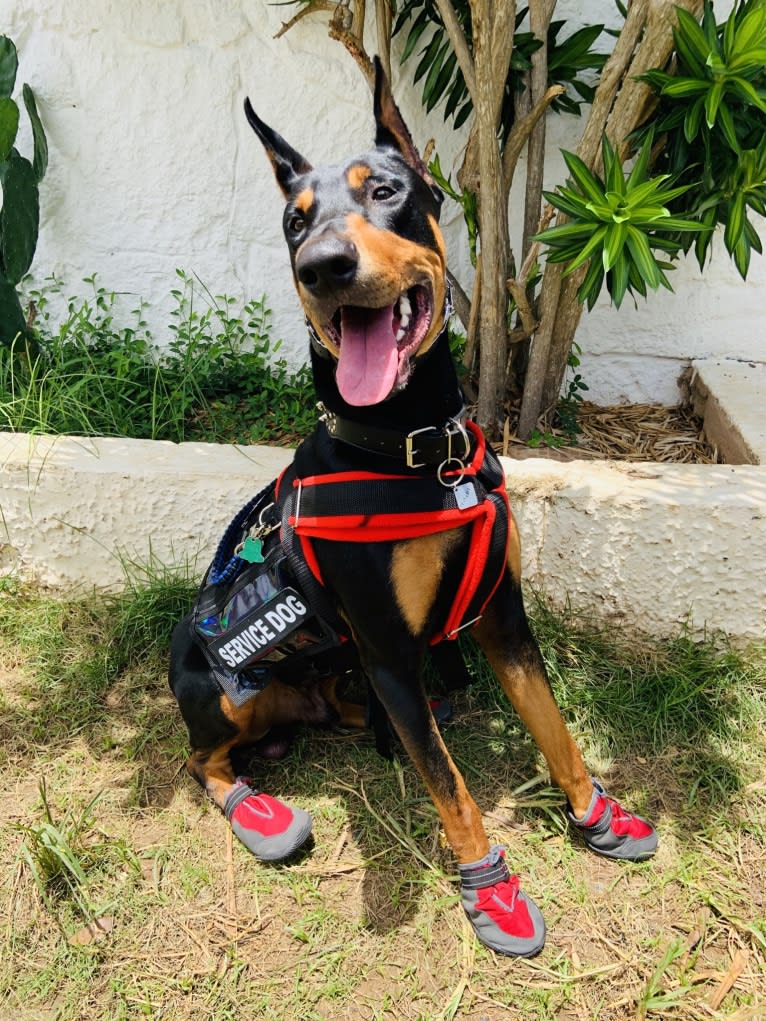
296	223
382	192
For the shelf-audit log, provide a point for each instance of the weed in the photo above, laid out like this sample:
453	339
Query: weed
61	855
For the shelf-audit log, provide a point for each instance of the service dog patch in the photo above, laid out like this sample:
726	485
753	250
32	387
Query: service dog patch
259	632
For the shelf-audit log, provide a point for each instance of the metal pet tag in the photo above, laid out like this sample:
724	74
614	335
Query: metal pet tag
465	495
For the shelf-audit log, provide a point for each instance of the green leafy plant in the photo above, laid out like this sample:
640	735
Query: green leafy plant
615	225
712	112
62	854
20	178
100	372
567	60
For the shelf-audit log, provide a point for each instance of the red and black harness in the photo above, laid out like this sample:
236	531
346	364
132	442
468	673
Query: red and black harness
361	506
263	604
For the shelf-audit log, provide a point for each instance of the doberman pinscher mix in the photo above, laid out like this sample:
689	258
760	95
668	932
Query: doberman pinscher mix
369	265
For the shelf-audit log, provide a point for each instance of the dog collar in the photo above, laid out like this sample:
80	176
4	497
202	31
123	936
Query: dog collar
422	448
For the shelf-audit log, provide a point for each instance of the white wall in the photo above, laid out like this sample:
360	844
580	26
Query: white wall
153	167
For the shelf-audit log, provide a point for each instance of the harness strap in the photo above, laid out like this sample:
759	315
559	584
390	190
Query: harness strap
345	507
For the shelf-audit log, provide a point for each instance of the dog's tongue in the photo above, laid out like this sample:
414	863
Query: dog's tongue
369	360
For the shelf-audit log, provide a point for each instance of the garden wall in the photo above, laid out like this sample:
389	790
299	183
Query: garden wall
647	547
153	167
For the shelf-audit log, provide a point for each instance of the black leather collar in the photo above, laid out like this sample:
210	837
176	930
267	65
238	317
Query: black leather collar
421	448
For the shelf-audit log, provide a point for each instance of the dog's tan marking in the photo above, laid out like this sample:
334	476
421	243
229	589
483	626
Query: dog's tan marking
416	570
305	200
439	293
514	548
357	175
524	682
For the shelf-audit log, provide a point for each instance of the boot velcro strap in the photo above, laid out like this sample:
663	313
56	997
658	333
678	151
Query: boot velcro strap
235	797
601	825
478	878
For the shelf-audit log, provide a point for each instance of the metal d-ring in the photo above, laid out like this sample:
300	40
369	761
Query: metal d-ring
443	466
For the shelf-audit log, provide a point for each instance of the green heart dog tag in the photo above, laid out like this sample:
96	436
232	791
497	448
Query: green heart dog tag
252	551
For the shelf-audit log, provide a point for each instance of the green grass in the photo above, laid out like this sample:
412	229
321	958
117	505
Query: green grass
367	925
216	376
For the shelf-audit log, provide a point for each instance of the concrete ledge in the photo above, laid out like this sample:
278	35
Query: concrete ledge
729	398
648	546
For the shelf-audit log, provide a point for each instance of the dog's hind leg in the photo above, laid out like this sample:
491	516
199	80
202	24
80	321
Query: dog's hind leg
511	649
270	829
514	655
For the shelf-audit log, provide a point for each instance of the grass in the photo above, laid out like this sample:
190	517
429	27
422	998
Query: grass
100	372
126	898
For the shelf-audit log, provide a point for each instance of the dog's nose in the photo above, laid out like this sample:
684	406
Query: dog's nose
327	264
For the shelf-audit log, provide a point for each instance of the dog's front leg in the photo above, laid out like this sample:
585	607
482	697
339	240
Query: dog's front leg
503	917
403	699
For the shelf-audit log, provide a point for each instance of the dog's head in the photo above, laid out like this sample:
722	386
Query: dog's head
368	257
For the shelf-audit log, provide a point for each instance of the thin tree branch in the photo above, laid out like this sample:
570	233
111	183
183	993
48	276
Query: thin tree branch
459	45
383	26
310	8
521	131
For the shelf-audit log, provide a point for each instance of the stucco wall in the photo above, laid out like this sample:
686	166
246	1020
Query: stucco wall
153	167
648	547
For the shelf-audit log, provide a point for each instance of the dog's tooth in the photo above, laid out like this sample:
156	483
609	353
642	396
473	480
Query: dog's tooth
400	335
405	308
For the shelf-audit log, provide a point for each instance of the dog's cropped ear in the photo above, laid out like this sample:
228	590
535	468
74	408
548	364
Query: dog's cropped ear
390	129
288	164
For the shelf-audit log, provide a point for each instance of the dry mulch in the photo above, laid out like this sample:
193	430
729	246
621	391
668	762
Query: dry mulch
625	432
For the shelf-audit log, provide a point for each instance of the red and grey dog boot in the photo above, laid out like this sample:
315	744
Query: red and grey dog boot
609	829
266	826
503	917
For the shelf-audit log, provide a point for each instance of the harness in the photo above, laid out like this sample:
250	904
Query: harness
262	605
346	507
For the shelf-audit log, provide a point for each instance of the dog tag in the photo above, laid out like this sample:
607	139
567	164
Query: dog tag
252	551
465	495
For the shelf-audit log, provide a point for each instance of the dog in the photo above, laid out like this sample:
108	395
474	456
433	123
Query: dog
397	508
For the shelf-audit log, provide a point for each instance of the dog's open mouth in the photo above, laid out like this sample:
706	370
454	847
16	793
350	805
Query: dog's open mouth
376	345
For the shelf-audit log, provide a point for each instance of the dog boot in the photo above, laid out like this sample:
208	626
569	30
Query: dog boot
609	829
504	918
269	828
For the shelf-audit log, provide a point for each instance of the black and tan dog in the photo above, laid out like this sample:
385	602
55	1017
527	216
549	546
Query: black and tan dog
401	572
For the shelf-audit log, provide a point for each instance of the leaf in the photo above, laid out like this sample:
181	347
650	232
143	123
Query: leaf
429	55
726	123
691	41
9	64
712	102
749	34
19	216
748	92
588	249
12	321
588	184
418	27
679	88
638	173
619	281
735	222
590	288
40	158
613	245
9	126
644	261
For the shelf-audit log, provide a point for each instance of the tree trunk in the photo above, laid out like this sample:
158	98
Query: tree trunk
619	106
492	24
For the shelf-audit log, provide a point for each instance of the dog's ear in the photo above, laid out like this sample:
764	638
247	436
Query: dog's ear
288	164
390	129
